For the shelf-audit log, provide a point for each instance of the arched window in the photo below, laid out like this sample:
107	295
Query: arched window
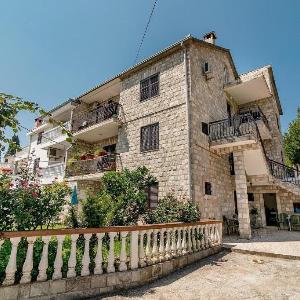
226	75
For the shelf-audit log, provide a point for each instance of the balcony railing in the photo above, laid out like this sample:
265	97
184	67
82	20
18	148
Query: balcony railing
95	116
92	166
54	133
53	171
256	113
284	173
237	126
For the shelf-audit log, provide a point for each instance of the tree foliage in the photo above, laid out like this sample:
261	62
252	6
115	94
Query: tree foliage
121	201
10	107
292	141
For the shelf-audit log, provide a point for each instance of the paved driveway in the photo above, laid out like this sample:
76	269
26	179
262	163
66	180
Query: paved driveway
226	276
270	241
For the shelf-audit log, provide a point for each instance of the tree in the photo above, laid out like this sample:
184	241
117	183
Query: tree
10	106
14	145
292	141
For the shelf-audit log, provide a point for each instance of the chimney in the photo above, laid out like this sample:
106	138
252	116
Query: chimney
210	37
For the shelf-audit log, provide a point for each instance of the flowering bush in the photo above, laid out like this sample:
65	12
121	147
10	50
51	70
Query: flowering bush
27	205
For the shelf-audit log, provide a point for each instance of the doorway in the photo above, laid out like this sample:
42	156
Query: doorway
270	209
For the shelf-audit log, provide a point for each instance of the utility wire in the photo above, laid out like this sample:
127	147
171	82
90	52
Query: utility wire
145	32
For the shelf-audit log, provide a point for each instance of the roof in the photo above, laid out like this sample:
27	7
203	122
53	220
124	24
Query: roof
165	52
269	69
170	49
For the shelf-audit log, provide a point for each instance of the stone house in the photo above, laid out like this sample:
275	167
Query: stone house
207	133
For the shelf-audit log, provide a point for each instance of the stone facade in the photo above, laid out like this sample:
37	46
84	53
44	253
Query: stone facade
208	103
186	162
169	164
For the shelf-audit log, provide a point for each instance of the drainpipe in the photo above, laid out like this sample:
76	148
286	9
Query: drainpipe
67	149
187	98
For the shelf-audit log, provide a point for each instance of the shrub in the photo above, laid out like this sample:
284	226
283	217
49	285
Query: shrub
97	210
169	210
6	205
122	199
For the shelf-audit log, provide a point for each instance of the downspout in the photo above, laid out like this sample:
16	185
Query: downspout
188	117
67	148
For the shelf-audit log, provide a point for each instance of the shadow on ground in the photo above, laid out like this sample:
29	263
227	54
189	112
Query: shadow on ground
149	288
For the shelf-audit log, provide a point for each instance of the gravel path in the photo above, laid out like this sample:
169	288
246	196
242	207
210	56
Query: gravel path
225	276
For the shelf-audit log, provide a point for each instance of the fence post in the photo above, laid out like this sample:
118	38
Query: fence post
134	253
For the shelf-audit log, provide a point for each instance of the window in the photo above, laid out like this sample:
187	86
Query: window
153	195
149	87
206	68
297	208
231	164
52	152
235	203
36	164
208	190
226	75
150	137
205	128
39	138
250	197
278	123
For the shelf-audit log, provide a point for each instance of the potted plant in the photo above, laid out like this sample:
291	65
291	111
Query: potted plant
89	155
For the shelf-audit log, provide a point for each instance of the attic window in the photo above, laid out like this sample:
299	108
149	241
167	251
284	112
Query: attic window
226	75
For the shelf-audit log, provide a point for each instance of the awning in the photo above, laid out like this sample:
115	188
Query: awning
248	91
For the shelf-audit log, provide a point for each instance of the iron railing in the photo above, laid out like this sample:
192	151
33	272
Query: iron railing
256	113
92	166
238	125
95	116
284	172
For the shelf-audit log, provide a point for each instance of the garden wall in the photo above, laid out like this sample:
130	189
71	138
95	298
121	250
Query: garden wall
95	285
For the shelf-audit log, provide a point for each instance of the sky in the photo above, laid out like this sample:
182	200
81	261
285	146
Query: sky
53	50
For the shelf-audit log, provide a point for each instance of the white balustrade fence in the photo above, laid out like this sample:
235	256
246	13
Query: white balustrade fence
115	249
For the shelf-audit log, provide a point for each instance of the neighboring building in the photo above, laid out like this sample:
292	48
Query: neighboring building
48	146
206	133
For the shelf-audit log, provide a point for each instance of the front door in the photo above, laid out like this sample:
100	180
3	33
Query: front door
270	209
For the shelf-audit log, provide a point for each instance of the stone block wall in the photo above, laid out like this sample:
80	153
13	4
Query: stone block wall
169	164
208	103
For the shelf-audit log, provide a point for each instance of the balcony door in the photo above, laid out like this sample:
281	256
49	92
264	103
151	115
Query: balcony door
229	113
270	209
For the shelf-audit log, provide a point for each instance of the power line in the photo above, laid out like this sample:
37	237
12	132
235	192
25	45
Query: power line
145	32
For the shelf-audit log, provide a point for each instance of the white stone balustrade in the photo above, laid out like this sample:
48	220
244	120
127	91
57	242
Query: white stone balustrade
148	244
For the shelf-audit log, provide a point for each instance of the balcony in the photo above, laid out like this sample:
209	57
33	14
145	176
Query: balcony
96	124
244	128
91	168
55	137
284	173
54	172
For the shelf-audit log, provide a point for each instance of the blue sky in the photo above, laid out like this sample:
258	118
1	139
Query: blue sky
52	50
